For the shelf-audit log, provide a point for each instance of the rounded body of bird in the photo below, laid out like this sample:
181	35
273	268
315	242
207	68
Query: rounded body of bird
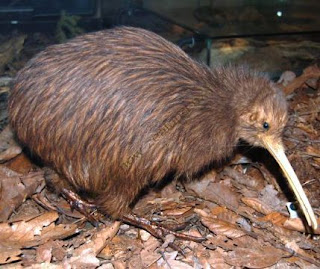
116	110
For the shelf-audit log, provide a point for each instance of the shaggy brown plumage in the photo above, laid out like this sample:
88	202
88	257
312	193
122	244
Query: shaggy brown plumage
116	110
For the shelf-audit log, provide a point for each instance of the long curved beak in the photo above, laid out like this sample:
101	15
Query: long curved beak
277	151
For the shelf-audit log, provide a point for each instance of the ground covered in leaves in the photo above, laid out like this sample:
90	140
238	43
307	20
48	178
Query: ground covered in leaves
240	209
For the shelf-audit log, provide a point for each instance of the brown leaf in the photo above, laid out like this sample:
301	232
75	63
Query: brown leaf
15	190
21	164
254	258
222	242
216	259
35	231
169	190
56	249
177	211
207	258
171	262
245	241
312	70
8	146
294	246
275	218
44	265
269	196
257	205
215	192
149	255
10	153
257	182
135	262
225	214
172	203
7	172
146	204
44	252
8	255
87	259
98	241
297	224
220	227
218	210
118	246
119	264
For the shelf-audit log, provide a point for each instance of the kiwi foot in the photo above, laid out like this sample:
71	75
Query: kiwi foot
80	205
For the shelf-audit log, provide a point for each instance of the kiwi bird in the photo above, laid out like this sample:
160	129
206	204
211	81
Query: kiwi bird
115	111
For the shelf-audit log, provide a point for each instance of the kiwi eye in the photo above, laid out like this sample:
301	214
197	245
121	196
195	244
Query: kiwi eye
266	125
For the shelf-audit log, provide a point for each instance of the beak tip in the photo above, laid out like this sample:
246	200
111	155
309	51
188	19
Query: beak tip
315	225
312	221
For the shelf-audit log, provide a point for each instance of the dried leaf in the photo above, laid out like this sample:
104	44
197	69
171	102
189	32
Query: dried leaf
53	248
215	192
20	164
15	190
8	255
171	262
216	259
225	214
87	259
119	264
44	252
297	224
119	246
98	241
220	227
174	206
269	196
218	210
7	172
177	211
254	258
44	265
256	182
8	146
204	258
257	205
275	218
34	232
149	255
135	261
10	153
294	246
